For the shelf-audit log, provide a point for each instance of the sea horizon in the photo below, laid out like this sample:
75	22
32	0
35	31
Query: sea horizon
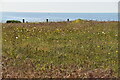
55	17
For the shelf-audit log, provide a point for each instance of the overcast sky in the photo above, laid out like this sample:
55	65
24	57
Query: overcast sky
64	6
60	0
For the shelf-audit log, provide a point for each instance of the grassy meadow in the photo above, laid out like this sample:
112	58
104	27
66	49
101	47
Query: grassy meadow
76	49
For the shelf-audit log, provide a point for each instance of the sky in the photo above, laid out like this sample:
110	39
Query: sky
60	0
60	6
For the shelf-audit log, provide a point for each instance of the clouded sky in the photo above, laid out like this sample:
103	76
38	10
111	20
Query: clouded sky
67	6
60	0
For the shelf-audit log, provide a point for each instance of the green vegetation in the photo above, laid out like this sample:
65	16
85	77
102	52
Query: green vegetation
13	21
60	49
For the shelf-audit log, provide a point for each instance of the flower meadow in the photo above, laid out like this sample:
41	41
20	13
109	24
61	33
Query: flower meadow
75	49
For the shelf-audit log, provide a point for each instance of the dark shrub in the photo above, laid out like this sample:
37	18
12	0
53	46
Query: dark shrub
13	21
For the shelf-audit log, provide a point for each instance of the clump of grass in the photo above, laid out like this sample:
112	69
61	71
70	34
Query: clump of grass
78	21
51	48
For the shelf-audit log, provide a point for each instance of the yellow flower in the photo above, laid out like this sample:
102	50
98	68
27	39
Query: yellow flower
116	51
108	53
57	30
98	46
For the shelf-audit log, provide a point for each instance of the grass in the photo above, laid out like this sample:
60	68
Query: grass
77	49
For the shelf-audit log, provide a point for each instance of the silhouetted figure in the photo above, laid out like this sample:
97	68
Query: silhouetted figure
68	20
46	20
23	20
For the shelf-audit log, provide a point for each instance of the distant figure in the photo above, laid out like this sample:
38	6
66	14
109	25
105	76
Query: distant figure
46	20
68	20
23	20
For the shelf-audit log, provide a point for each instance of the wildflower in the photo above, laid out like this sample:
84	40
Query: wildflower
57	30
116	51
16	37
98	46
70	40
43	68
103	32
116	35
108	53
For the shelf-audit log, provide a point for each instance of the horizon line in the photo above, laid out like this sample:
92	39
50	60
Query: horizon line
55	12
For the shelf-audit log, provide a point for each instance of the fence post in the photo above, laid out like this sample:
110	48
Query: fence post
68	20
23	20
46	20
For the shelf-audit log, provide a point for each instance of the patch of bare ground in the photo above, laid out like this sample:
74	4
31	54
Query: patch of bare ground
56	72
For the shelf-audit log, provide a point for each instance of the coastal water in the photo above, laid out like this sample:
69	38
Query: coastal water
41	17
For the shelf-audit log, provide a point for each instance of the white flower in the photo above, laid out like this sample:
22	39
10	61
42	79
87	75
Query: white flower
16	37
116	35
103	32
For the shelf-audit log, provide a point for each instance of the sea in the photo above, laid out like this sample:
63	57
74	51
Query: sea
56	17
